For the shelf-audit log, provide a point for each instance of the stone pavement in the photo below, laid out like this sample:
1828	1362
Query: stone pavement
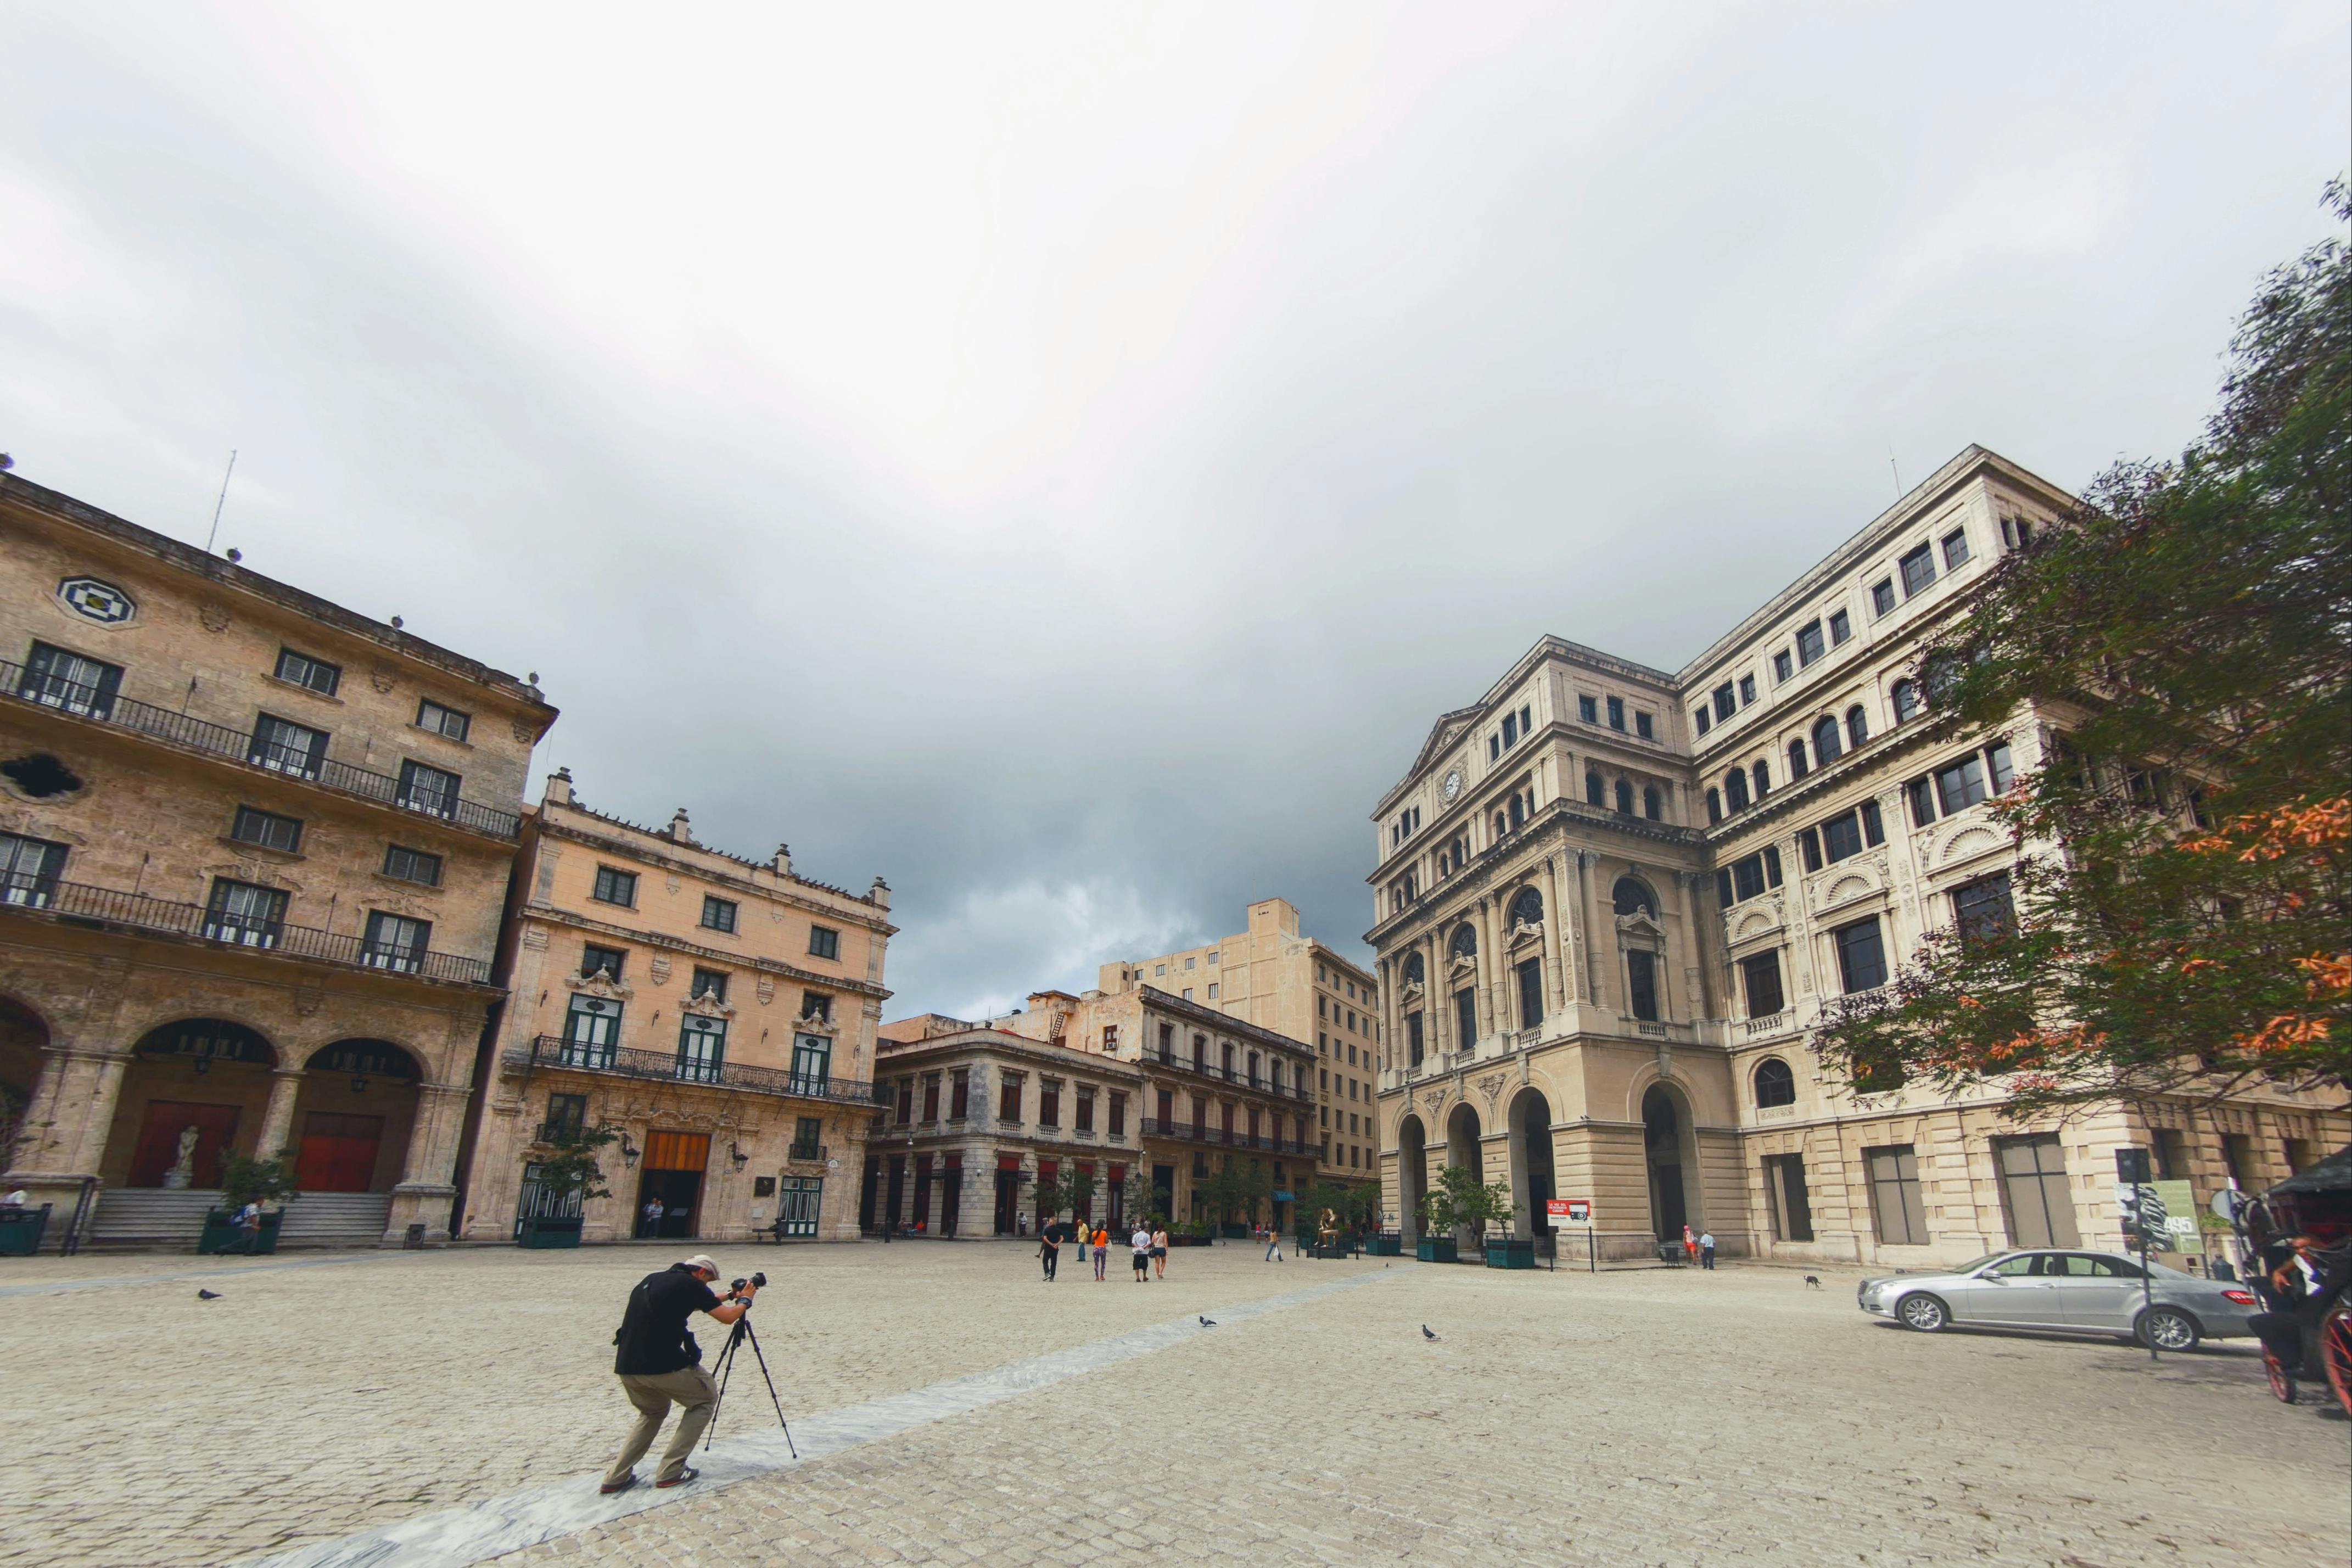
1656	1416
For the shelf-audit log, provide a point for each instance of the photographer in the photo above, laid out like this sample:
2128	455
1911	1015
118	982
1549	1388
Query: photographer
659	1364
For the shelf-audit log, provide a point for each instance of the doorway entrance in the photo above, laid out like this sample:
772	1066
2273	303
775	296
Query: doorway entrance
158	1151
673	1173
1412	1176
1008	1196
1531	1163
338	1153
951	1195
1662	1144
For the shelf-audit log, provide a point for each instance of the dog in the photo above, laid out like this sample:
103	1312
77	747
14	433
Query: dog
1812	1281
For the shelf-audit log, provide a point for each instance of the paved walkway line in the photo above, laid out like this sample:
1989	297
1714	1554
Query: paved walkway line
495	1526
60	1286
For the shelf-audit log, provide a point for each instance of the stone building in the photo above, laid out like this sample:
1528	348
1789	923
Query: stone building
256	848
1270	975
1611	903
719	1012
1209	1089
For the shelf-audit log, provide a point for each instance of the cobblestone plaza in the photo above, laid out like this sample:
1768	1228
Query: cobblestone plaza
1657	1416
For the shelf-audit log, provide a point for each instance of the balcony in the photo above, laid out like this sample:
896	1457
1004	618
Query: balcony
1202	1132
1261	1084
102	707
75	903
668	1067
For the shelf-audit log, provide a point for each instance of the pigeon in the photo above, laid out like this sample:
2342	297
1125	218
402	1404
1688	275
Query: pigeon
208	1295
1426	1333
1208	1322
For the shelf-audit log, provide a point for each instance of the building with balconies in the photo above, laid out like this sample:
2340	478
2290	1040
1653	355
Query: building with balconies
252	865
718	1013
1611	903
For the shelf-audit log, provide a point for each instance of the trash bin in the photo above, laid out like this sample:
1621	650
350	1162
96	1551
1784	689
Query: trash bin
415	1240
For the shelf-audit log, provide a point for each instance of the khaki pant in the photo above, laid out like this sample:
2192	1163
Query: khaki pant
653	1395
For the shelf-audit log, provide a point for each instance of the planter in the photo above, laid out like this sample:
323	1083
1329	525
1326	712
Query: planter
1232	1230
1388	1244
1434	1250
223	1234
1510	1252
20	1231
549	1232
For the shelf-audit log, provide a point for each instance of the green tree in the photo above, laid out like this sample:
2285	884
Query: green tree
1073	1189
251	1180
1136	1197
1459	1199
571	1166
2180	909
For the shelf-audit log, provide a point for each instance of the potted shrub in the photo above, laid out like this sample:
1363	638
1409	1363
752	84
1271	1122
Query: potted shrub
568	1175
1459	1199
249	1181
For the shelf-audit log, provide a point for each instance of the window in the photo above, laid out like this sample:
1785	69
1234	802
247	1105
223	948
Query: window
1049	1103
1840	627
812	1064
1748	876
1784	1193
1734	789
1531	1007
1724	702
807	1131
567	1115
1862	955
1881	596
1906	701
1642	726
267	829
1213	992
1760	977
1895	1195
59	677
1956	549
1746	689
711	983
1595	792
824	942
1809	642
1653	806
403	864
430	790
2237	1158
2033	1191
2171	1155
1782	666
1008	1098
287	748
1465	1020
395	942
959	1094
1642	983
242	913
1827	746
1188	994
2016	533
1775	1084
1413	1039
1921	795
614	887
1704	719
1118	1114
701	1049
1510	729
1798	766
817	1005
1617	713
1588	710
1918	569
1842	837
1983	909
1762	774
1857	725
1160	969
29	869
1809	848
717	915
1713	806
446	722
1998	773
1960	786
1625	798
312	674
608	959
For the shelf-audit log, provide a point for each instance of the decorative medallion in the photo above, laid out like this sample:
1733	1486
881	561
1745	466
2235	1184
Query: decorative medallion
308	999
766	987
1490	1086
213	615
94	599
660	967
382	675
670	882
525	731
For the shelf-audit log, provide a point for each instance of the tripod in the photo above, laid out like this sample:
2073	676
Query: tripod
725	1367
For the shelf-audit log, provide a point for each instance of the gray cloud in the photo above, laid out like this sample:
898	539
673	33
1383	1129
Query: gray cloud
1064	463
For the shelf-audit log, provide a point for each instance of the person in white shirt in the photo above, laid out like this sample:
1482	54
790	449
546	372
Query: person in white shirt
1141	1243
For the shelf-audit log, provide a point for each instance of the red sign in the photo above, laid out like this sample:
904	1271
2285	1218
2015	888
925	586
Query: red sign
1568	1211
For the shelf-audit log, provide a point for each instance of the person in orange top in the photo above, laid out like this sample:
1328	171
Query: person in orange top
1102	1249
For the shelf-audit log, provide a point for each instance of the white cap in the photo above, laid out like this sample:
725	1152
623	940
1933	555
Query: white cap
701	1260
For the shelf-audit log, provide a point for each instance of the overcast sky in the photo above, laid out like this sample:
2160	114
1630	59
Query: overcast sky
1064	460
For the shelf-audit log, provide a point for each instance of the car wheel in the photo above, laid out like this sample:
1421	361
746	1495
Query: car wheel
2168	1329
1923	1312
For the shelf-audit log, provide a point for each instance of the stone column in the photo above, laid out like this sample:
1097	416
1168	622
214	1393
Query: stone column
278	1122
1599	934
1559	969
426	1188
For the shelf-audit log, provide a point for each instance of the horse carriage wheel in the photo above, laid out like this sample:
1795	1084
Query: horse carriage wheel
2282	1386
2335	1352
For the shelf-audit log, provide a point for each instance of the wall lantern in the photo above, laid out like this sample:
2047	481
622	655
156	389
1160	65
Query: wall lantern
629	1150
736	1155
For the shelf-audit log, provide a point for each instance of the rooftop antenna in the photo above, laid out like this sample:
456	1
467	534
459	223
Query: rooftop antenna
1890	463
221	502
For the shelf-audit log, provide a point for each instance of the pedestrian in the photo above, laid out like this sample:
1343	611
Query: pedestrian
659	1366
248	1230
1140	1242
1049	1250
1273	1245
1102	1249
1160	1249
1707	1251
652	1215
1690	1243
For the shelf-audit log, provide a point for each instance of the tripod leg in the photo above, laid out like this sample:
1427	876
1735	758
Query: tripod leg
771	1381
726	1365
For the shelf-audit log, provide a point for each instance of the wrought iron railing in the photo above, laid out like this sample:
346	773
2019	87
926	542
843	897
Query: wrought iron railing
77	902
109	707
580	1056
1203	1132
1262	1084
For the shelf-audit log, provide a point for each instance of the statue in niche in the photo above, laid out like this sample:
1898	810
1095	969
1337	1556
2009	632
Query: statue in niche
183	1169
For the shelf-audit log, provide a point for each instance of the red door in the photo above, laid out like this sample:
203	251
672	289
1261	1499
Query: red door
338	1153
159	1141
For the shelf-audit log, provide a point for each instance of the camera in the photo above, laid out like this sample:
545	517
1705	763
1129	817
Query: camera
756	1279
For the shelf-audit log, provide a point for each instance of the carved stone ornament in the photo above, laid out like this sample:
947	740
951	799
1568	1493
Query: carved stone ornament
1462	964
671	883
382	675
535	938
1410	998
1434	1100
812	1025
766	987
1490	1086
213	616
660	967
1526	933
1639	924
600	984
524	731
707	1005
308	999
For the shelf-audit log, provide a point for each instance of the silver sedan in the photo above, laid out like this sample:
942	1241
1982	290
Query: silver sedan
2083	1293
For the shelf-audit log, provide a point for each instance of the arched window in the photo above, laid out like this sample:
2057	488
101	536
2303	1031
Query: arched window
1631	897
1734	789
1938	677
1652	806
1527	908
1593	793
1625	798
1857	725
1415	971
1715	805
1465	944
1827	747
1501	826
1763	775
1518	811
1798	766
1906	701
1775	1084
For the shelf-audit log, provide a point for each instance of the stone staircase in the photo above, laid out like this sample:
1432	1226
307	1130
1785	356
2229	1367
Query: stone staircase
166	1217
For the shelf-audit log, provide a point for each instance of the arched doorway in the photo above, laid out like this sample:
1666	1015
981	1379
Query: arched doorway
1412	1177
1463	1147
195	1092
23	1038
1529	1120
1670	1152
353	1117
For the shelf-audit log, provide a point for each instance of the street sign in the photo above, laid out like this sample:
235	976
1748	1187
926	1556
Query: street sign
1568	1211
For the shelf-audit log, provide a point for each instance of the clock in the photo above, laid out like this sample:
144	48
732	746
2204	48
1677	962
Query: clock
1452	785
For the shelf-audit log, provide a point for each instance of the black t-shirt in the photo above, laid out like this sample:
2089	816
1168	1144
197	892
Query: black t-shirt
652	1338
